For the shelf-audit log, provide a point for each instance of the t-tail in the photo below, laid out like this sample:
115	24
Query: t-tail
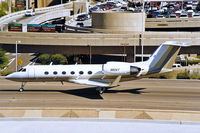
163	58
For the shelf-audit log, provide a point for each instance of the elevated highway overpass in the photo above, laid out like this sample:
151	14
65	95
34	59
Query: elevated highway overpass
98	43
70	43
42	14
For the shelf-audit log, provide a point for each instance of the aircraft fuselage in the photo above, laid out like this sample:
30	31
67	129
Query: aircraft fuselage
52	73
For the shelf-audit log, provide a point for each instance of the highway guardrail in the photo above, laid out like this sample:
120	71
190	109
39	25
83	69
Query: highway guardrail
13	16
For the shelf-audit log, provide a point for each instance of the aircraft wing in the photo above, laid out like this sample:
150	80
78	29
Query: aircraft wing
90	82
98	82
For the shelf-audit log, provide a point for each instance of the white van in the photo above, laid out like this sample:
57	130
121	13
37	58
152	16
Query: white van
29	13
176	65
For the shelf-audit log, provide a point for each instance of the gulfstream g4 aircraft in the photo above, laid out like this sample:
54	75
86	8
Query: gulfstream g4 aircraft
101	75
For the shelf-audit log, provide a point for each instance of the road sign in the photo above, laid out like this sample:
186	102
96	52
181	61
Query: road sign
19	62
19	3
15	27
48	28
34	28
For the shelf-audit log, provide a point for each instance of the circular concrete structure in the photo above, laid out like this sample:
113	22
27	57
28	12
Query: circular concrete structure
118	21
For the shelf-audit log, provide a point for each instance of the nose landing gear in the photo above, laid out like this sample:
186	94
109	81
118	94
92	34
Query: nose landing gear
22	86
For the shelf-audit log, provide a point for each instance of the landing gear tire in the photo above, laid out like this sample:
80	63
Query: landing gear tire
21	89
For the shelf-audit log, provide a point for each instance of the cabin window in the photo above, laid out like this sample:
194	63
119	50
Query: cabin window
63	72
72	72
81	72
89	72
46	73
55	72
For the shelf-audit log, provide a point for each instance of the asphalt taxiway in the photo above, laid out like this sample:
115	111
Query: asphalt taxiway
139	94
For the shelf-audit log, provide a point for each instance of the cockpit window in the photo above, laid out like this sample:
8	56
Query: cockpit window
22	70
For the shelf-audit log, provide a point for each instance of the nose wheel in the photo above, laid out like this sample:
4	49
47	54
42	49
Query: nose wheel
22	87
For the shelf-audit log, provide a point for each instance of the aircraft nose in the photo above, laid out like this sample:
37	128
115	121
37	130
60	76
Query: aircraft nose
10	76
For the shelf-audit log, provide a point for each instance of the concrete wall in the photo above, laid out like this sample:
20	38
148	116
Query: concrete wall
120	21
172	23
102	113
79	7
70	39
43	3
100	43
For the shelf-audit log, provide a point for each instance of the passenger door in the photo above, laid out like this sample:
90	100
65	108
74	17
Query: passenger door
31	73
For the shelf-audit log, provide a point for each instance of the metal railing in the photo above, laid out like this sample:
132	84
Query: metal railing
50	15
13	16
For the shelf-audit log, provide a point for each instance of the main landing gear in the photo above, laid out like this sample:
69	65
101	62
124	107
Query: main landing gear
22	86
101	89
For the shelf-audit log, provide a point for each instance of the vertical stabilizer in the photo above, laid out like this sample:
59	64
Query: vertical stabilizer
164	56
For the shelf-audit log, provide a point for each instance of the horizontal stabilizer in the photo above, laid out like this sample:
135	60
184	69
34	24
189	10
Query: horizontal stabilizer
175	43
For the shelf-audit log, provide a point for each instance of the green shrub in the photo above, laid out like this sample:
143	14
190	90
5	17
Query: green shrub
3	60
195	76
191	62
5	72
183	75
16	9
44	59
167	75
4	6
2	13
198	56
58	59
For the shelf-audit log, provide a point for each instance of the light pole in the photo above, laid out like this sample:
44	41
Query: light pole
27	2
16	52
134	53
124	50
182	5
44	3
143	24
90	54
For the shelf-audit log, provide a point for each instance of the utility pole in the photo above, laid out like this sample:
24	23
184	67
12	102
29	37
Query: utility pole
27	4
10	6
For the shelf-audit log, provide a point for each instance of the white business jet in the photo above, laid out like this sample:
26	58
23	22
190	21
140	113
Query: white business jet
103	76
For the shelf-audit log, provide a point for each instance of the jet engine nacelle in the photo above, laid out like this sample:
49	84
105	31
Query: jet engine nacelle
117	68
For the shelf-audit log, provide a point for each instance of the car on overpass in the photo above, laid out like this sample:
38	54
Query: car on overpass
29	13
83	17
